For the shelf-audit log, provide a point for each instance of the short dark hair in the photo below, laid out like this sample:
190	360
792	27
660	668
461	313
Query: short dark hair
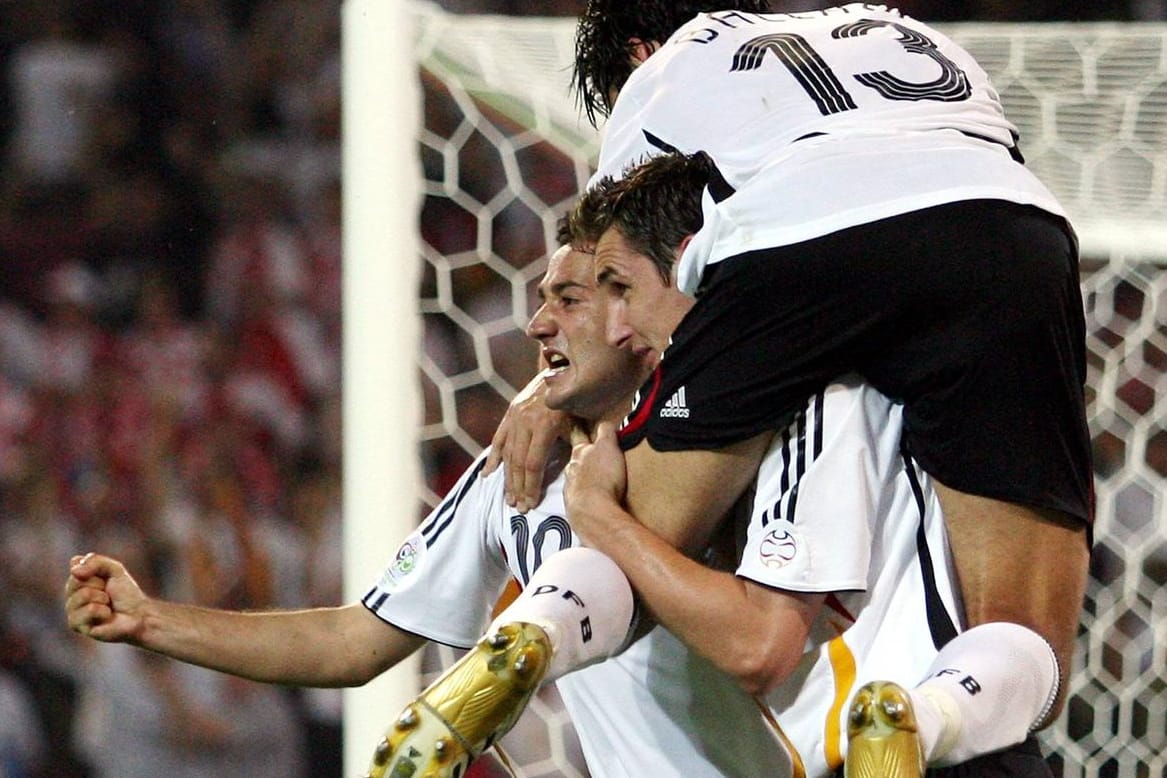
654	206
603	50
563	234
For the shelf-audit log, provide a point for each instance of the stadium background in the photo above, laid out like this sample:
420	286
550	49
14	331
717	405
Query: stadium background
170	340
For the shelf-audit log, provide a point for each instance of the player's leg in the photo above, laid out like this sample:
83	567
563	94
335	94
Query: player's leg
995	413
1037	580
1005	437
1004	678
988	689
576	609
581	601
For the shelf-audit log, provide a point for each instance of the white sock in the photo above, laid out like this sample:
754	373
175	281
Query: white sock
583	602
986	690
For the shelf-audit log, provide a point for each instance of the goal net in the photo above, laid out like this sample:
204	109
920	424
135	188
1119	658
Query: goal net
504	152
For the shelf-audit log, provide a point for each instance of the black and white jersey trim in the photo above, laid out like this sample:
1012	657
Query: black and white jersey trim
940	624
440	519
796	458
374	600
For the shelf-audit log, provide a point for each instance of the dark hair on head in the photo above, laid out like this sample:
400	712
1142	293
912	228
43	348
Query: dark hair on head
654	206
603	48
563	233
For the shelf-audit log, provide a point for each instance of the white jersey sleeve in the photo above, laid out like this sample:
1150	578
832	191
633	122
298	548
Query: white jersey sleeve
818	491
447	575
839	509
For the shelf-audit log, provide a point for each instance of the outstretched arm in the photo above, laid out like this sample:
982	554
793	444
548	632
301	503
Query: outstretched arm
342	646
752	632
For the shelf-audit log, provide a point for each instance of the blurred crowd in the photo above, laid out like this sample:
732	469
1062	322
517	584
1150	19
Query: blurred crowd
169	357
169	367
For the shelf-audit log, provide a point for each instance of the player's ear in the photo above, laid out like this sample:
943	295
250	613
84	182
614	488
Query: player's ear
640	50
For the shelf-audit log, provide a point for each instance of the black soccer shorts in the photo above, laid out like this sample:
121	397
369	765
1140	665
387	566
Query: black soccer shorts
968	313
1020	761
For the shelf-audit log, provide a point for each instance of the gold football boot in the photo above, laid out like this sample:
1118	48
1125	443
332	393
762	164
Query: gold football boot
883	739
467	709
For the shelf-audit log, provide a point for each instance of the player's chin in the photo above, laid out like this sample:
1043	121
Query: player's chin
578	399
559	395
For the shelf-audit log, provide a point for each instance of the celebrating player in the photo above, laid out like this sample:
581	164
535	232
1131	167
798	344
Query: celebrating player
863	572
690	718
987	688
871	214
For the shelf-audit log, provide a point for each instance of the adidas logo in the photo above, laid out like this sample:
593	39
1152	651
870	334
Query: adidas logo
676	408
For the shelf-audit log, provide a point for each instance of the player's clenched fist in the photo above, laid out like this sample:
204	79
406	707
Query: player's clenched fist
102	600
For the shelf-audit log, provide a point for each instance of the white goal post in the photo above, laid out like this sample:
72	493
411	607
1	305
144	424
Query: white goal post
440	268
381	408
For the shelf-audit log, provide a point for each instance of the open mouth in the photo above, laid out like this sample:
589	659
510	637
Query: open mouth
556	361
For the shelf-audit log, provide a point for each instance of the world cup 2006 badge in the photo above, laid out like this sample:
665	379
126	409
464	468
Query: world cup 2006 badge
407	560
778	548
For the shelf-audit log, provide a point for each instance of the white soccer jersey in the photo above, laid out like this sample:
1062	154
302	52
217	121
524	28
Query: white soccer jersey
835	509
818	121
656	708
840	509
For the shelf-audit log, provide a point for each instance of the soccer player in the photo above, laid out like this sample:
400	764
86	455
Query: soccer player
690	719
862	572
872	214
987	688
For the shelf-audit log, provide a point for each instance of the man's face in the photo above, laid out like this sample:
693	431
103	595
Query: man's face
585	376
643	308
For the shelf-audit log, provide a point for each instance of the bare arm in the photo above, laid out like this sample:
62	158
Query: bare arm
683	496
752	632
342	646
